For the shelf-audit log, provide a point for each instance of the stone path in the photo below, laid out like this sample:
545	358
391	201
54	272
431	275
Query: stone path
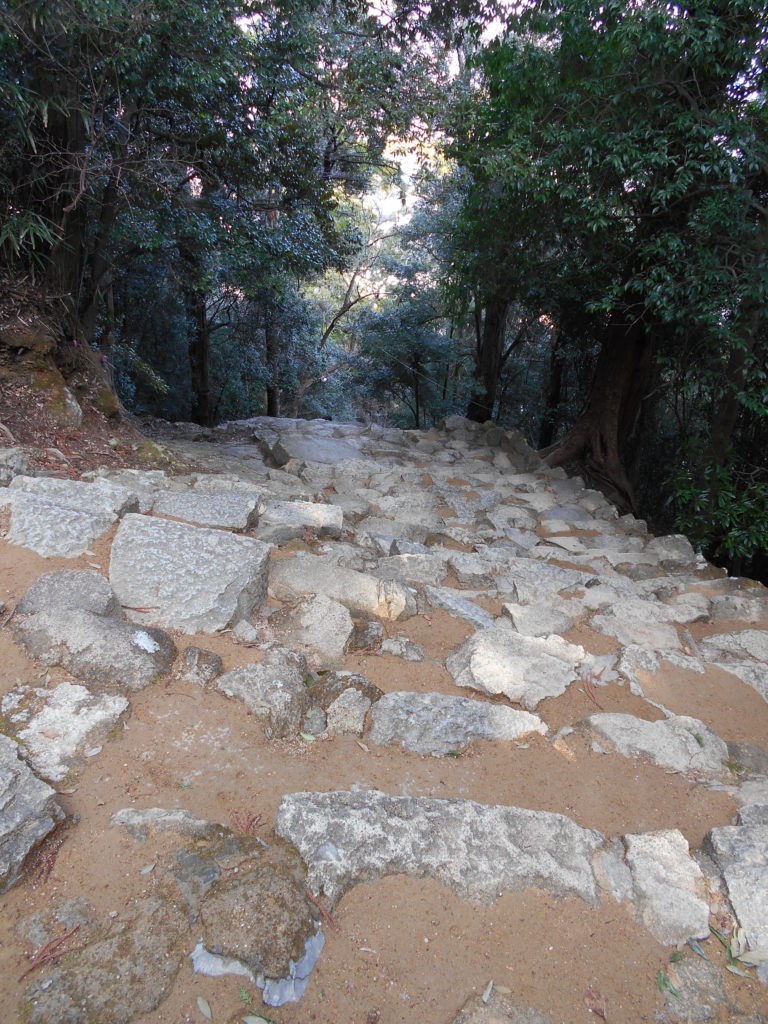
324	542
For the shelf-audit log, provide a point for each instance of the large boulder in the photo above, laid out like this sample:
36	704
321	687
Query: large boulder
187	577
108	654
524	668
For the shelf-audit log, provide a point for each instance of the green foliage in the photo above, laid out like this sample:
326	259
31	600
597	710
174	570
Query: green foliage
724	513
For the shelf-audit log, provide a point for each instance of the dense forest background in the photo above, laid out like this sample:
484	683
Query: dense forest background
553	215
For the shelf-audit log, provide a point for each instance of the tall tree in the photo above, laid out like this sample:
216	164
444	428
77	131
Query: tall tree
625	145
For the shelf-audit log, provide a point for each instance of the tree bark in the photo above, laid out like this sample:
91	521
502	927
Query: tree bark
594	443
490	350
200	362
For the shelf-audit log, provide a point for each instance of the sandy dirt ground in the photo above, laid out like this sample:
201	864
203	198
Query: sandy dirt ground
404	950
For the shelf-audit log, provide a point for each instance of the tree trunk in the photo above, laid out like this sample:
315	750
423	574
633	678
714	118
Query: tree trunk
489	355
200	362
594	443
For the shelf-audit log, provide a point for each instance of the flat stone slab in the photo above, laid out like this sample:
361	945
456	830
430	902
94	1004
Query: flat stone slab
98	496
51	530
29	812
150	821
543	617
478	850
70	588
105	653
186	577
668	887
632	630
741	853
292	578
281	521
327	450
525	669
451	601
431	723
416	568
60	727
681	743
231	510
748	643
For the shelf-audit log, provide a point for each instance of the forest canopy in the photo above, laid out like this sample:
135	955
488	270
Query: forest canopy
551	215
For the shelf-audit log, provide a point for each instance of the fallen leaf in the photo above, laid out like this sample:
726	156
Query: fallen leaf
737	970
204	1008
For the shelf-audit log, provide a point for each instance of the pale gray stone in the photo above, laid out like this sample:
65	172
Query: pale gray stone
282	521
319	627
636	631
105	653
69	589
292	578
668	886
674	549
748	643
478	850
471	570
273	691
401	528
525	669
454	603
52	530
187	577
431	723
748	608
741	853
98	496
141	824
28	812
231	511
346	714
541	618
117	978
753	814
13	462
145	484
58	726
429	568
681	743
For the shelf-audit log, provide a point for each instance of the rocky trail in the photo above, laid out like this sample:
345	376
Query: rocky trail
355	725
